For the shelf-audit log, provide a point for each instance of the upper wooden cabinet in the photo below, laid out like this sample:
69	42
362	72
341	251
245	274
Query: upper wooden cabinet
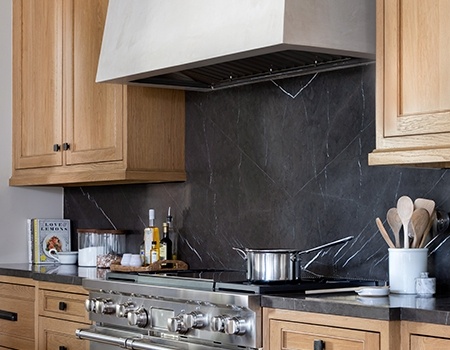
413	83
68	130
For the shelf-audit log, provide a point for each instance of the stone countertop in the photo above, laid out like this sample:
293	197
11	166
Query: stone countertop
391	307
67	274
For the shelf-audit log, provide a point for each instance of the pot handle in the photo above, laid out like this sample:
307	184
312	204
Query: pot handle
339	241
241	253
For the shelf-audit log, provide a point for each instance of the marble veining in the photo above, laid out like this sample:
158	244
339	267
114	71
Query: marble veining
279	164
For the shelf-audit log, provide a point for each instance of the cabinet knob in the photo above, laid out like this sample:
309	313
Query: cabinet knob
319	345
62	306
62	347
56	147
66	146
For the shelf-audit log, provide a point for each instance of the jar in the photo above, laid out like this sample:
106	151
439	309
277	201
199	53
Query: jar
100	248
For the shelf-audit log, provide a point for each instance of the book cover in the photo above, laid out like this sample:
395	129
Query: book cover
48	234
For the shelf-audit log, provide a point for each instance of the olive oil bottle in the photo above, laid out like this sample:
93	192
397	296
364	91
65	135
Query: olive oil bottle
151	234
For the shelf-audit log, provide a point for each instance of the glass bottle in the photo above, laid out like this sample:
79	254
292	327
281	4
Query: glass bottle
165	247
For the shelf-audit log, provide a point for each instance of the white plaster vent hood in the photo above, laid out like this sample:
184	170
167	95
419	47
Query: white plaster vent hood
212	44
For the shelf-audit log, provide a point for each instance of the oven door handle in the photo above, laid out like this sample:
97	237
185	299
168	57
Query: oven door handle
126	343
100	337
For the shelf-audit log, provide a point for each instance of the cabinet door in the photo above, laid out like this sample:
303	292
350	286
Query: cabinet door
37	83
93	112
60	334
413	82
302	336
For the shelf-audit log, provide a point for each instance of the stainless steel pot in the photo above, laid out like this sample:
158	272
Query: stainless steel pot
273	265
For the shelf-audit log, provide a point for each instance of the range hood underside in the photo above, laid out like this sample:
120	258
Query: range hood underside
272	66
207	45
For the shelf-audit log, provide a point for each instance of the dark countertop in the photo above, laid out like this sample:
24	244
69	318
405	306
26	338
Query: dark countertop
393	307
67	274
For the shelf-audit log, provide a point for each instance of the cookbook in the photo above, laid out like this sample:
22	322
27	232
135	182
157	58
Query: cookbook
46	234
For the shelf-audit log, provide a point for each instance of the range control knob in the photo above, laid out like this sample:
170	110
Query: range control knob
122	310
89	305
176	324
194	319
104	306
138	318
235	325
218	323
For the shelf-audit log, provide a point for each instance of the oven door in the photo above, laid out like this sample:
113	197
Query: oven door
106	338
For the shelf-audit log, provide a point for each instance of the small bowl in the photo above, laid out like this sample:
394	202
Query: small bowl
67	258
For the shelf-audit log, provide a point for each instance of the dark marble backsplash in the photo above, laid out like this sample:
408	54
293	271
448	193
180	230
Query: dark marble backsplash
277	165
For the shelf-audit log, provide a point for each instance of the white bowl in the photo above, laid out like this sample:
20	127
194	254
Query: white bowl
67	258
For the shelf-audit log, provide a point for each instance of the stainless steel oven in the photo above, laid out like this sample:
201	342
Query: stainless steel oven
200	310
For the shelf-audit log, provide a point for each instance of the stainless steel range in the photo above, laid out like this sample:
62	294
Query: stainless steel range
201	310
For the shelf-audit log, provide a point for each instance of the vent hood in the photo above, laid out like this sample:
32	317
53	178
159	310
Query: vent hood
212	44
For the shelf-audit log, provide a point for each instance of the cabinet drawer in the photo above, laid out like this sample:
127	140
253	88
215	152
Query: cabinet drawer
67	306
58	334
17	299
419	342
301	336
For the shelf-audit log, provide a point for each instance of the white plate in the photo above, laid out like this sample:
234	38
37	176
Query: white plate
372	291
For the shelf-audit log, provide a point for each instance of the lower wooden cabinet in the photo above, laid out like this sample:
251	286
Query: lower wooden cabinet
61	312
424	336
296	330
55	334
17	315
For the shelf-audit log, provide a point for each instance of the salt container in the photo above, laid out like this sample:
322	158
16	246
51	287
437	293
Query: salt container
100	248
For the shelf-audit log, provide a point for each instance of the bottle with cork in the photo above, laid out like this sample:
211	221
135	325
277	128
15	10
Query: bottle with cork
151	234
173	236
165	247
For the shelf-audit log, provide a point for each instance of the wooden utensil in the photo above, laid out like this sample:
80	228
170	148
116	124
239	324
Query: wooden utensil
427	204
419	222
405	209
384	233
427	230
395	224
430	206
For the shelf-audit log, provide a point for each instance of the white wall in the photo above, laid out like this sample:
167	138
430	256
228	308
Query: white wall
16	204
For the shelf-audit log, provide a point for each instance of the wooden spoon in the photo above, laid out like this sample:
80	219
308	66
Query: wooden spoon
427	230
395	223
419	222
405	209
430	206
384	233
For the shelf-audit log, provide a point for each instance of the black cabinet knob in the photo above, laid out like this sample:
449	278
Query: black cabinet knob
62	347
56	147
62	306
66	146
319	345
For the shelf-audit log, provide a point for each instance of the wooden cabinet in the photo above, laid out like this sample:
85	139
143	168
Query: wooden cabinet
413	83
61	312
424	336
69	130
17	315
297	330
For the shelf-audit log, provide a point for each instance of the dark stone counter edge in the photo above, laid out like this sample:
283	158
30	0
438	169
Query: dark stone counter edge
29	271
438	315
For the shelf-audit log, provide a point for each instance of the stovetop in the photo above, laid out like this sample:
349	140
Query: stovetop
232	281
